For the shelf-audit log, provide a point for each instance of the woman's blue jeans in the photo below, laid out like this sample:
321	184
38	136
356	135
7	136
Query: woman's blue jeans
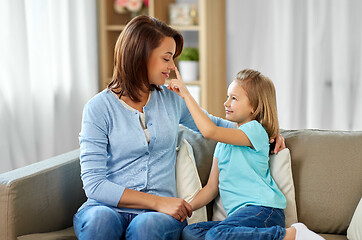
250	222
101	222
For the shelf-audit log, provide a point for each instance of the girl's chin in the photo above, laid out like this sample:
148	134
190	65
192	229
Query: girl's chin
227	117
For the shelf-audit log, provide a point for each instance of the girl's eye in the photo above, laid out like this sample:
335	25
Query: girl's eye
234	98
166	59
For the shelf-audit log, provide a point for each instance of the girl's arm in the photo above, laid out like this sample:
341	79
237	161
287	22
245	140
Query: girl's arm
207	128
209	191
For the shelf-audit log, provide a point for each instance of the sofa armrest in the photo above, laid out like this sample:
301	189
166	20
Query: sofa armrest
41	197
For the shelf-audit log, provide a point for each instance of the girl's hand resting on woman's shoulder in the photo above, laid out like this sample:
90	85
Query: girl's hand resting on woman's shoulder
178	86
279	143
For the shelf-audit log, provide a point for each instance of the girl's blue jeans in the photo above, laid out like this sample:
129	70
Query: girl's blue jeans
101	222
250	222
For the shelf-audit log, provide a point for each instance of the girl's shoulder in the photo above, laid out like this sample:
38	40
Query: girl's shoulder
254	127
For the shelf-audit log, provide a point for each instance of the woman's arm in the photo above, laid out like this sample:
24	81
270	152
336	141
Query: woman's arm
207	128
210	191
175	207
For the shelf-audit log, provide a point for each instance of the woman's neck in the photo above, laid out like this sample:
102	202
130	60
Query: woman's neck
143	97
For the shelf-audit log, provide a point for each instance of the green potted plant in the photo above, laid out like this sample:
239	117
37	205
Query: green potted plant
189	64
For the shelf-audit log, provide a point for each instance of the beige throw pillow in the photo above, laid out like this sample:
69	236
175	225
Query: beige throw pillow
188	183
354	231
281	171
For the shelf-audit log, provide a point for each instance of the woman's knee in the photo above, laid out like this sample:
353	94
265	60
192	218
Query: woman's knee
98	221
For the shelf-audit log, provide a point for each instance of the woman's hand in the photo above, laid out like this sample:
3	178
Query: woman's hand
178	86
175	207
279	143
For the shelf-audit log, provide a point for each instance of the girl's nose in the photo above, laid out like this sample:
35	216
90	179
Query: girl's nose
226	104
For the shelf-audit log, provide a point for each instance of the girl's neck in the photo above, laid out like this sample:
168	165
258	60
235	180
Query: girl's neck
246	121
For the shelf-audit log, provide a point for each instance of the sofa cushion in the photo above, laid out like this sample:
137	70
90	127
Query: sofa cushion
281	171
334	237
65	234
327	172
354	231
188	183
203	151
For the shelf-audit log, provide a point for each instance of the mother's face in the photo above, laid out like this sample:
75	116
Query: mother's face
160	63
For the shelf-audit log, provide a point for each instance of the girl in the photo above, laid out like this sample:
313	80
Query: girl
240	170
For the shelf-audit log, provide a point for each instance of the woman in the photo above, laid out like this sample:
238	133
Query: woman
128	141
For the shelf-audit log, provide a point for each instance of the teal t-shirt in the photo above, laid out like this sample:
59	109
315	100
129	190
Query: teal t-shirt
244	172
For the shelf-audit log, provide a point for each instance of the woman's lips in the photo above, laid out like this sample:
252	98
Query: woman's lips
166	74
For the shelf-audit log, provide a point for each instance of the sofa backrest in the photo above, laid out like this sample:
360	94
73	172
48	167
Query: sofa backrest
327	173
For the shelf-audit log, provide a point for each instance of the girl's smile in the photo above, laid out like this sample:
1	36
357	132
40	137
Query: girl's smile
237	105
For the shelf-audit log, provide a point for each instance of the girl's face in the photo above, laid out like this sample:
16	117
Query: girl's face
237	105
160	63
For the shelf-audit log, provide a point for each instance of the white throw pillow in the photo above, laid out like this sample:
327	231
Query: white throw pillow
354	231
188	183
281	171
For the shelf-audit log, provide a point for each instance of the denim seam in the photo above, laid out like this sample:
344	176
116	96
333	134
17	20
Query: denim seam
279	214
270	215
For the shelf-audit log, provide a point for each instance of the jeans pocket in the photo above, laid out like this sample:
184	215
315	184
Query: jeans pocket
276	218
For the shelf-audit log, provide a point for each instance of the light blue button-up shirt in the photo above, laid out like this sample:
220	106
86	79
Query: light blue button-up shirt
116	155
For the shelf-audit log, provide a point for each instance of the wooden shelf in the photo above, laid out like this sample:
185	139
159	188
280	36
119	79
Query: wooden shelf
186	28
196	82
211	43
115	27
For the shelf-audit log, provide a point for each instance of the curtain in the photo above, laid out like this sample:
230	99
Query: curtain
310	49
48	63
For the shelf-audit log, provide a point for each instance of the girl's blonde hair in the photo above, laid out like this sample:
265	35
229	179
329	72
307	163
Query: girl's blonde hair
261	93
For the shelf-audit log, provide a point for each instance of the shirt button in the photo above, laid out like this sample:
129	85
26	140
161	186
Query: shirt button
147	153
150	124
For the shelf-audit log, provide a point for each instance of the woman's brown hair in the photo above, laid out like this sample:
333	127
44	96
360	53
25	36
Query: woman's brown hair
262	97
132	50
